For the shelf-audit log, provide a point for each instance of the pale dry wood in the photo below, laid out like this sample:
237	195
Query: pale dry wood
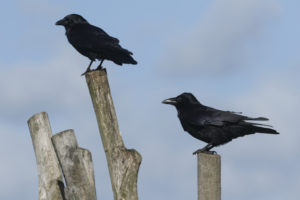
123	164
49	174
209	176
77	167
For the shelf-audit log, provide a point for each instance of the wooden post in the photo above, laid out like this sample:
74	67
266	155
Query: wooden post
123	164
50	178
209	177
77	167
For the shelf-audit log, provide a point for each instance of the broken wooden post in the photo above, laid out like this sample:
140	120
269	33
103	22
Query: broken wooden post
209	176
77	167
50	178
123	163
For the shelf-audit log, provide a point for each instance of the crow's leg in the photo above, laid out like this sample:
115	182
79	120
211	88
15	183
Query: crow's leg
88	69
100	65
206	149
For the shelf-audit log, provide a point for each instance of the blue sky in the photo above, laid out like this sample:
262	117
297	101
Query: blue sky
233	55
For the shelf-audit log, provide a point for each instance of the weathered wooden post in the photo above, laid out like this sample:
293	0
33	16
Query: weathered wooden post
77	167
123	163
60	153
50	178
209	176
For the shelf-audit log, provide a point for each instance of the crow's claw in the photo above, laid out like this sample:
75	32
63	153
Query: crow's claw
85	72
99	68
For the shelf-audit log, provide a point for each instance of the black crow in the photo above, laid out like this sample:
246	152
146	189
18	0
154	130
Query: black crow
213	126
93	42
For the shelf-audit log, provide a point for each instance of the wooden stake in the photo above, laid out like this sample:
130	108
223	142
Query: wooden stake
77	167
209	177
123	163
50	178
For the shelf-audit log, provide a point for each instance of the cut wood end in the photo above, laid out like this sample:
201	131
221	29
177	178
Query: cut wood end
206	155
99	72
65	132
65	137
38	115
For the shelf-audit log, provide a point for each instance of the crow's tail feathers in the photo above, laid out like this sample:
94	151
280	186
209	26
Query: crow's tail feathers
127	59
123	56
257	118
259	129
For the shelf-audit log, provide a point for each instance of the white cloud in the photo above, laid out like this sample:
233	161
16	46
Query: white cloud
219	41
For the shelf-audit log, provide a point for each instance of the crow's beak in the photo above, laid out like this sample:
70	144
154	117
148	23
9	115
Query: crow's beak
171	101
60	22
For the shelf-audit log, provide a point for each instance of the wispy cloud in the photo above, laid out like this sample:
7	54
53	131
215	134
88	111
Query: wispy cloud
219	40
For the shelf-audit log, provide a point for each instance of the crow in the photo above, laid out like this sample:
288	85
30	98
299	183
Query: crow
93	42
215	127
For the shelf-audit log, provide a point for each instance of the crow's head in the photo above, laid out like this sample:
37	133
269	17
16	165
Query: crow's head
70	20
182	100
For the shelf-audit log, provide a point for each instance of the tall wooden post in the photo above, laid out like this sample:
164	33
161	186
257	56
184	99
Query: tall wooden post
123	163
209	177
51	184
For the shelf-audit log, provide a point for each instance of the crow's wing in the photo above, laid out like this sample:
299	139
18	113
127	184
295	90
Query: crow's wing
203	116
231	116
91	38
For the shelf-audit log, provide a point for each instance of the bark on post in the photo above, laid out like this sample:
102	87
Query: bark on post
123	164
50	178
77	167
209	177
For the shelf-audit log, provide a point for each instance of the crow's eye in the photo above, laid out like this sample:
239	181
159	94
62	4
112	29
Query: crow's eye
68	21
179	99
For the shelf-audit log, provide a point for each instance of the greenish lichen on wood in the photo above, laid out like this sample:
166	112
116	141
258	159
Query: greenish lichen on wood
123	163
